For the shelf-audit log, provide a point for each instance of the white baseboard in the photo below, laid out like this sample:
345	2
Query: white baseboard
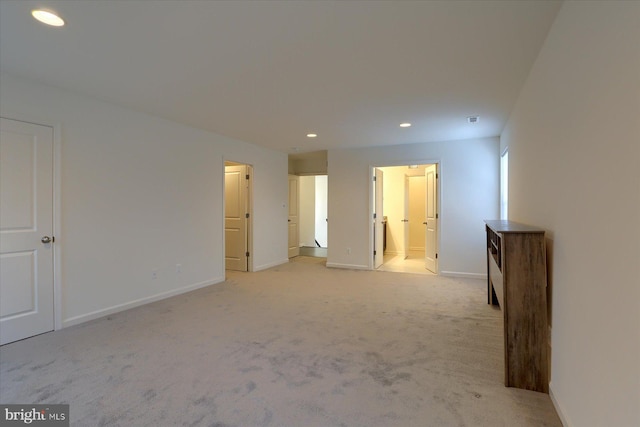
271	264
136	303
563	418
462	274
348	266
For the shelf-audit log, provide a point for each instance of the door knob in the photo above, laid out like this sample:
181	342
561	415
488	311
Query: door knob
46	239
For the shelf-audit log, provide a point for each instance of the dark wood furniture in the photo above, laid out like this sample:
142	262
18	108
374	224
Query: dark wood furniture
517	281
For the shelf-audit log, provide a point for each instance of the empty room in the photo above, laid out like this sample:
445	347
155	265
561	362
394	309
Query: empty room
152	214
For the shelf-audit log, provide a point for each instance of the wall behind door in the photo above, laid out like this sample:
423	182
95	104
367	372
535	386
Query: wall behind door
139	194
469	186
321	209
393	207
313	210
307	210
416	213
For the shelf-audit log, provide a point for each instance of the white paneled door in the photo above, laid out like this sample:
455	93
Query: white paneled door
236	210
294	213
431	214
26	230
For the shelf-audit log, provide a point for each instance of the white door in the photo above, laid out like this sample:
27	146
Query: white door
236	209
431	218
26	227
294	209
378	227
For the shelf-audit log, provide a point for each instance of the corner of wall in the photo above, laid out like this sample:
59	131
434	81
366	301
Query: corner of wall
136	303
558	406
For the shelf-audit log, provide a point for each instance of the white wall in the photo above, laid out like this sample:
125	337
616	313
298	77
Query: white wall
321	209
417	229
307	218
469	183
141	193
312	163
393	207
574	169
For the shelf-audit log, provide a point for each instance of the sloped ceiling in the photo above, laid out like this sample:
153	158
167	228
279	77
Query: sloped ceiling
269	72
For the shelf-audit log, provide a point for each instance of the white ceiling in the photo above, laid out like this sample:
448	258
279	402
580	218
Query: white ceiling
269	72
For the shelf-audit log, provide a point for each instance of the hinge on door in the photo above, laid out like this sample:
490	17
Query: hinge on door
436	256
374	179
246	215
247	176
247	254
436	216
436	176
374	216
374	253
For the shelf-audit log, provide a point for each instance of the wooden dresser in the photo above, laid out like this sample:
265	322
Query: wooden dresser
517	281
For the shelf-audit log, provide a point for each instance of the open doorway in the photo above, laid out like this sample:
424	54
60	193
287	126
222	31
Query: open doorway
313	225
237	216
410	219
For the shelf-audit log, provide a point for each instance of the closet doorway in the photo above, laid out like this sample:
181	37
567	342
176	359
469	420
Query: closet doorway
237	216
411	219
313	221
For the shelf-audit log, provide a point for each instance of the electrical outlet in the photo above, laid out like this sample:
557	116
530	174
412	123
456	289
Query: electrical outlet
178	268
154	274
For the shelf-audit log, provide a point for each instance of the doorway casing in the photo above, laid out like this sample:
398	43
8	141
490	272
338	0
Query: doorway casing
372	167
248	209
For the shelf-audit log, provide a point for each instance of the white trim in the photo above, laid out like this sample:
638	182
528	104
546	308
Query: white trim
563	418
57	227
136	303
269	265
384	164
394	253
463	274
348	266
503	184
223	249
250	203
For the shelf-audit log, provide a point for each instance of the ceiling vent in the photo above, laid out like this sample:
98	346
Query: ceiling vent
473	119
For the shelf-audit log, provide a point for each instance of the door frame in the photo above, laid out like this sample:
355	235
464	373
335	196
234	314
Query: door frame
57	207
378	226
372	189
249	221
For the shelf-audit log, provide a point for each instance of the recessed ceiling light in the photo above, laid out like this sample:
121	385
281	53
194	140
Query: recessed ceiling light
473	119
311	135
405	125
47	17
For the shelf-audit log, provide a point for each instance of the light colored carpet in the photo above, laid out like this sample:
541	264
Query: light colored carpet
296	345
